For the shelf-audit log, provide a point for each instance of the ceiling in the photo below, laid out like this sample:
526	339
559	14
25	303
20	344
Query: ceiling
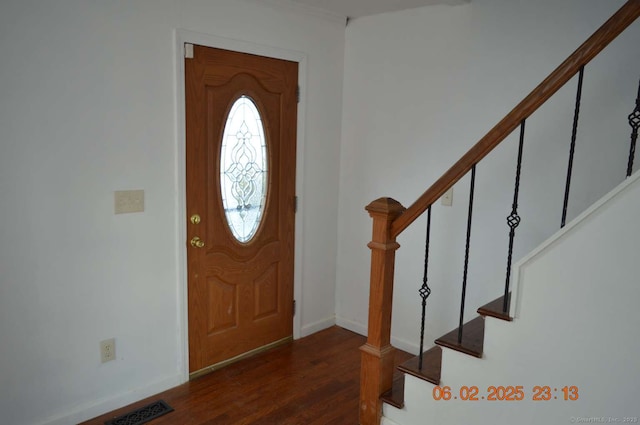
359	8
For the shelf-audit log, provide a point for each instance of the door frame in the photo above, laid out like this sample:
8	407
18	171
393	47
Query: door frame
185	36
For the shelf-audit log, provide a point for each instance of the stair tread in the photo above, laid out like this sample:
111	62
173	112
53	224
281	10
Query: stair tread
494	309
472	338
431	365
395	396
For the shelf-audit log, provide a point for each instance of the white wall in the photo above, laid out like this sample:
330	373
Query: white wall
421	87
576	325
88	106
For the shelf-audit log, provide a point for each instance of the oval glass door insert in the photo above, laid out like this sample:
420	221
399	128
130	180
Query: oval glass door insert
243	169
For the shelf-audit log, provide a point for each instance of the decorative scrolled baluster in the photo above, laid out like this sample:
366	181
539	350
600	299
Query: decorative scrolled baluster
513	220
424	291
634	122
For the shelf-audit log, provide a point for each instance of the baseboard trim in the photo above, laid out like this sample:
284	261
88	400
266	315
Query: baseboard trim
403	345
351	325
96	408
362	330
314	327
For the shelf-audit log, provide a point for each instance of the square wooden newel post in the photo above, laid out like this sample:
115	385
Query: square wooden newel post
376	374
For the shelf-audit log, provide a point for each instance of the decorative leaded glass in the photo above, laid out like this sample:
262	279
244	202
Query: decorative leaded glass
243	169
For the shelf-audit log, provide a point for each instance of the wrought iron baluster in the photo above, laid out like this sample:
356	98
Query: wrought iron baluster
466	252
513	220
574	132
634	122
425	291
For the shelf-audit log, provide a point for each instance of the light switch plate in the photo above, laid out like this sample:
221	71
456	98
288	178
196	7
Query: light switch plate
128	201
447	198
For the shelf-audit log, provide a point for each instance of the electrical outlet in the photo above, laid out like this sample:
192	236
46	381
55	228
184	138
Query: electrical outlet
108	350
447	198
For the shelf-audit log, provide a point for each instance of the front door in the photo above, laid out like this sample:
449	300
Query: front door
241	114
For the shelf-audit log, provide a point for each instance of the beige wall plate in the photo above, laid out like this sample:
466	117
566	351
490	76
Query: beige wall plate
128	201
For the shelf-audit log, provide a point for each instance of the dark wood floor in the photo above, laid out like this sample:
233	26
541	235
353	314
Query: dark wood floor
312	381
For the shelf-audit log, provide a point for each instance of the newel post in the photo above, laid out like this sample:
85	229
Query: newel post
376	374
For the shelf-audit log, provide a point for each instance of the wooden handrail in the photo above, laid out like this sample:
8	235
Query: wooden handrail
558	78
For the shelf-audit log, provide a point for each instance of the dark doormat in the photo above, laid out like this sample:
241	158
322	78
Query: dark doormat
142	415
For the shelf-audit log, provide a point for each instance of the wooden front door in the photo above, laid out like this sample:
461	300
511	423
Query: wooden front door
241	148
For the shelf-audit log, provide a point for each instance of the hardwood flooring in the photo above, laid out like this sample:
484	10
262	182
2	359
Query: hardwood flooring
312	381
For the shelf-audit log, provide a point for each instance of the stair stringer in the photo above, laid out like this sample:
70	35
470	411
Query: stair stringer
577	320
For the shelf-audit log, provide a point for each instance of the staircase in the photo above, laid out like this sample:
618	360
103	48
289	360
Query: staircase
549	365
575	326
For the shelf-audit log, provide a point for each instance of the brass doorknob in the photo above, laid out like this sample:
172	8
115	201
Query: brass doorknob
196	242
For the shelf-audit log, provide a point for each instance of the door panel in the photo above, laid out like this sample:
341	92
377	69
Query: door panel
240	293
